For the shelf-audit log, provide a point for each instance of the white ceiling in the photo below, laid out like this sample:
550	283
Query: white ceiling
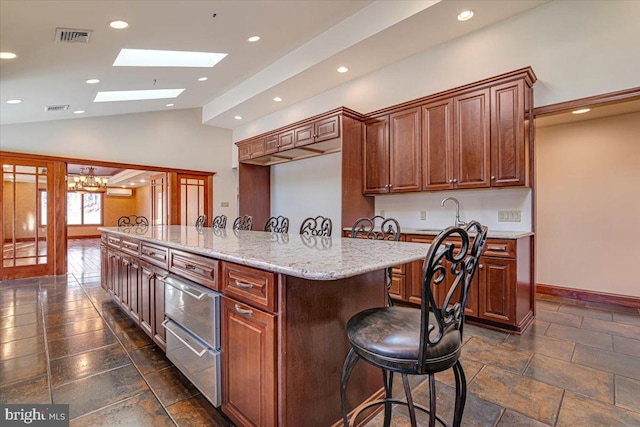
302	43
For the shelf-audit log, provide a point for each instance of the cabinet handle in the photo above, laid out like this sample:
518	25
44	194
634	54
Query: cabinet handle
190	266
502	248
243	310
243	285
150	276
151	253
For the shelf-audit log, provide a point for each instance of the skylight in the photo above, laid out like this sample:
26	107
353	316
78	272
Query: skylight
136	95
166	58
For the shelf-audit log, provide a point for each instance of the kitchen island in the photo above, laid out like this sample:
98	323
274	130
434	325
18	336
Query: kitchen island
283	310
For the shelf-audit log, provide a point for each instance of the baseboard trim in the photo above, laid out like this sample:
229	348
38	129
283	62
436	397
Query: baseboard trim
585	295
91	236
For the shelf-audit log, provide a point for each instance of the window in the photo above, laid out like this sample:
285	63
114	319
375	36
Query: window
84	209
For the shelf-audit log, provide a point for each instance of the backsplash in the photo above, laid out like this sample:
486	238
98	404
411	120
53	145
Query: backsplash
482	205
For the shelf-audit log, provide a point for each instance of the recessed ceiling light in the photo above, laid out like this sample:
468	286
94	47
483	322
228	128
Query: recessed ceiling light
14	101
93	81
238	117
8	55
166	58
79	112
136	95
253	39
118	24
465	15
581	111
170	105
277	99
203	79
343	69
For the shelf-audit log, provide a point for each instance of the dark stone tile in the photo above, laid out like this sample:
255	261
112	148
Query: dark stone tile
586	312
620	329
547	305
627	393
69	329
20	320
134	338
35	390
527	396
21	332
533	343
95	392
477	412
149	359
582	336
197	411
559	318
80	343
70	316
120	324
67	306
57	298
170	386
578	410
561	300
626	346
608	361
82	365
511	419
497	355
487	335
20	309
630	319
572	376
22	368
538	327
469	367
141	410
397	420
611	307
23	347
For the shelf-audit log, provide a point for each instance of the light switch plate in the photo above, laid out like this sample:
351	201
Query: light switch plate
224	204
509	216
381	212
423	215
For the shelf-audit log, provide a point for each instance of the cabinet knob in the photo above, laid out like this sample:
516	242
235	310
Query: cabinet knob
390	185
480	266
450	181
455	180
493	177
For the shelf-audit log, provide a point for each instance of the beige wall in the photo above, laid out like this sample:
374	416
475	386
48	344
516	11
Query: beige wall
113	208
588	192
143	201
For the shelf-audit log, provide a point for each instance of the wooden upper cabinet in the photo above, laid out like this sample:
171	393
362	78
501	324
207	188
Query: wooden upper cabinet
471	140
327	129
257	147
405	151
508	142
303	135
251	149
271	144
244	151
285	140
437	145
376	155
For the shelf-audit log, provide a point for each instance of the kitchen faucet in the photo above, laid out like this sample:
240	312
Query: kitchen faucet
458	222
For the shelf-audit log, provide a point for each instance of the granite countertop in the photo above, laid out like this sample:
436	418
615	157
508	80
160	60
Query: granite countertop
314	258
491	234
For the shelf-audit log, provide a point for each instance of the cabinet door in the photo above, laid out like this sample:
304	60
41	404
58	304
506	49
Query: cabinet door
497	282
471	140
327	129
397	289
133	279
147	290
159	333
124	282
285	140
114	273
437	145
248	364
244	151
376	156
303	135
257	148
508	143
271	144
104	267
405	173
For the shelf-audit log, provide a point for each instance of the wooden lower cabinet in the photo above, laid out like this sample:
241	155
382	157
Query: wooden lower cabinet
104	267
248	364
132	283
152	303
497	279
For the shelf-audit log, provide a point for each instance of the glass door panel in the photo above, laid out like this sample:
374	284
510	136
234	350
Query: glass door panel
193	198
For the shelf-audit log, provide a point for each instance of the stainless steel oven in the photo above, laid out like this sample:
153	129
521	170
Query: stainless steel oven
193	333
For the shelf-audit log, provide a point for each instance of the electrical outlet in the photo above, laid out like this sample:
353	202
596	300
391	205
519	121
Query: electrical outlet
423	215
381	212
224	204
509	216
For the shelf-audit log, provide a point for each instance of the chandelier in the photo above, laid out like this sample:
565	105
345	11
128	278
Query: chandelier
87	182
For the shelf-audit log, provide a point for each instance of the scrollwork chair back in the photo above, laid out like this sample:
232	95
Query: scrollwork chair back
318	226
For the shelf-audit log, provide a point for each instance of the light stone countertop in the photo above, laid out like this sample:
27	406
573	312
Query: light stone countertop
314	258
490	234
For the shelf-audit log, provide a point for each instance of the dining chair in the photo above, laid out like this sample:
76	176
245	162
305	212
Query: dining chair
279	224
201	221
244	222
132	220
420	341
318	226
219	221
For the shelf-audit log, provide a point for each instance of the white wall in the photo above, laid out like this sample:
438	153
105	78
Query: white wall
576	49
175	139
308	188
588	193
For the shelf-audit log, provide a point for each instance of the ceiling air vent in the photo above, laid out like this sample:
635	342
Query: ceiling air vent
56	108
69	35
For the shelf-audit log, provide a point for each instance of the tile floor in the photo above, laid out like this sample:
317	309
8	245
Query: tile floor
63	340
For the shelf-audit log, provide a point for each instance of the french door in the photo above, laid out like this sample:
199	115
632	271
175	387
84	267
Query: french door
159	199
27	217
194	198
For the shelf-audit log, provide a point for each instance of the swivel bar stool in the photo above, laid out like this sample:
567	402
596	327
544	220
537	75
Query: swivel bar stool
219	221
279	224
318	226
244	222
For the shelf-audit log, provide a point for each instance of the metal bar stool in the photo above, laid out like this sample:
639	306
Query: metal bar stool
132	220
200	222
219	221
421	341
318	226
244	222
279	224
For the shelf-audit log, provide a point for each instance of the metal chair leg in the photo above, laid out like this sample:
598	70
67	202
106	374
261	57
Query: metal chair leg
432	400
349	363
461	394
387	378
407	392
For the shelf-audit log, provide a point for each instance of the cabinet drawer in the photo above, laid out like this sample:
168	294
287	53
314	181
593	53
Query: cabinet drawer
253	286
132	247
400	269
113	241
200	269
501	248
156	255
